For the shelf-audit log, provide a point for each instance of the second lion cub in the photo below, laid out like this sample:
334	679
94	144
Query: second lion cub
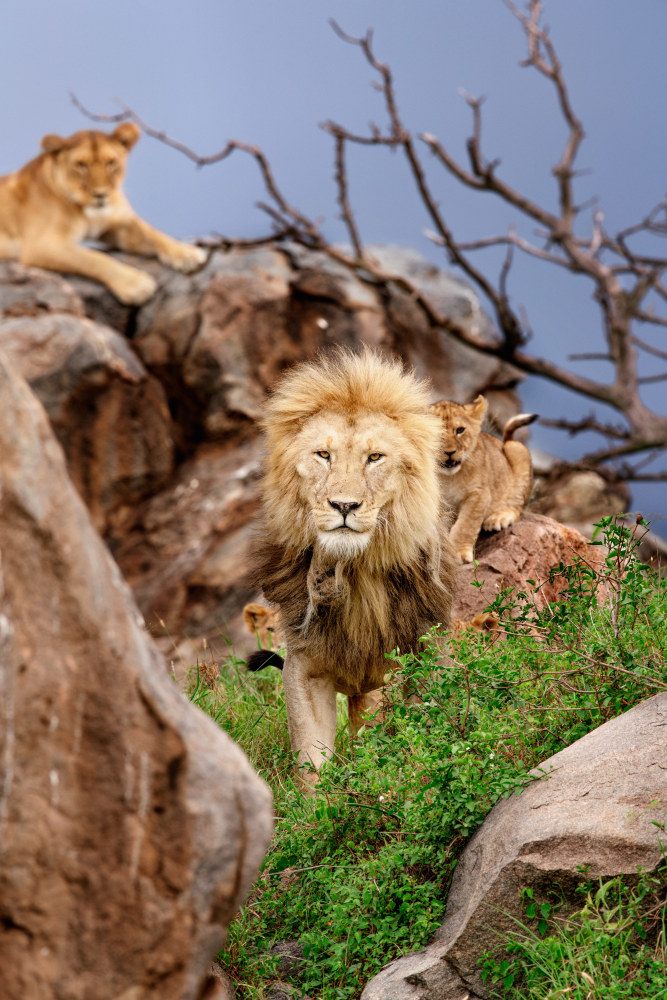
485	481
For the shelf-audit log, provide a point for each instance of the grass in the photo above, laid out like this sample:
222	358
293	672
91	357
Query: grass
359	874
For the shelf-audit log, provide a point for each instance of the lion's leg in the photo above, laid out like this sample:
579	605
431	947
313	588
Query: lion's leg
509	507
311	715
136	236
364	710
130	285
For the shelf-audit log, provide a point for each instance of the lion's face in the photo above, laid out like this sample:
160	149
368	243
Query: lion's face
88	167
461	425
350	473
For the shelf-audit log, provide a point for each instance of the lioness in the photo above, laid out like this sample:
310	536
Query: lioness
72	192
352	551
485	481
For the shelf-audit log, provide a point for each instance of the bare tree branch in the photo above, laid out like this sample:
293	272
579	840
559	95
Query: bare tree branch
621	277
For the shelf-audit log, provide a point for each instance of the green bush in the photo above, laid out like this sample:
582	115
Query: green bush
359	874
613	948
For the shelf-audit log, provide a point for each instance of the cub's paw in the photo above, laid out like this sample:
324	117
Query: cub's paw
465	554
136	287
501	519
183	256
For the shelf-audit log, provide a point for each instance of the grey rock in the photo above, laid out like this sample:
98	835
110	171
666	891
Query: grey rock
597	806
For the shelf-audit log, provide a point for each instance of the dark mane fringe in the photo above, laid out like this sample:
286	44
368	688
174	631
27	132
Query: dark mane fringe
340	631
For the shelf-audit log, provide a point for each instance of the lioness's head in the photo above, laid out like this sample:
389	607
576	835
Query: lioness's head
352	459
88	167
459	427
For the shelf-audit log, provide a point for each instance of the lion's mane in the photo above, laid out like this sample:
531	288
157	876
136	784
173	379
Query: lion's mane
351	612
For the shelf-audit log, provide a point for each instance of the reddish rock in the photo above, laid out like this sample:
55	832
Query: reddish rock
130	825
528	550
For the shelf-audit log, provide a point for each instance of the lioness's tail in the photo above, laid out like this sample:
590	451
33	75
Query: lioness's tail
513	424
264	658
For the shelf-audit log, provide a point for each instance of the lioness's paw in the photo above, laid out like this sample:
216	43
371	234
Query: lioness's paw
136	288
500	520
183	257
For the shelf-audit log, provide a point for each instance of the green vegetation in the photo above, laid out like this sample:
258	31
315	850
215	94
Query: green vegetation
359	874
613	948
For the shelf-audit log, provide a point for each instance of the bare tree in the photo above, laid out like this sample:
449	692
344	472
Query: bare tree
628	284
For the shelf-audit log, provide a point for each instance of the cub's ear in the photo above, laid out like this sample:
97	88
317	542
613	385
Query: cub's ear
255	616
127	134
53	143
478	407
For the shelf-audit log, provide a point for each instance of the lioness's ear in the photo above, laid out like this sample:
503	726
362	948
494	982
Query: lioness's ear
127	134
478	407
52	143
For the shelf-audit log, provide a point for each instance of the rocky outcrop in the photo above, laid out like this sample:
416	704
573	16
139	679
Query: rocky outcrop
157	409
600	804
130	825
528	550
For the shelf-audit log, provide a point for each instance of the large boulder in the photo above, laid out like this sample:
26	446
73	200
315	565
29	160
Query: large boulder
130	825
596	806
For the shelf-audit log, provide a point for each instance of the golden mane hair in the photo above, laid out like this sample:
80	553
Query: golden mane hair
352	611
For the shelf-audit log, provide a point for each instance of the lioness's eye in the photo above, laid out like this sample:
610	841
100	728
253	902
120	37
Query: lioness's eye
460	430
323	454
112	164
375	457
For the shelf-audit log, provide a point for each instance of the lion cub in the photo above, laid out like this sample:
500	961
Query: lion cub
486	481
72	192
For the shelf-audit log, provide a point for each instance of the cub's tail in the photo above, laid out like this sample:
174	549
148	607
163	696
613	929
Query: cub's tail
261	658
513	424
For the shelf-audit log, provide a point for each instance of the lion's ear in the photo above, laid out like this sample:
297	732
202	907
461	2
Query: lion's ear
53	143
127	134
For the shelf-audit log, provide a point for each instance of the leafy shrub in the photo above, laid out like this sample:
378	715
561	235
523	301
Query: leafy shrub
359	874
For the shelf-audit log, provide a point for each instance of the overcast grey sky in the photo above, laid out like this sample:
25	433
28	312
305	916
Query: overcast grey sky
269	71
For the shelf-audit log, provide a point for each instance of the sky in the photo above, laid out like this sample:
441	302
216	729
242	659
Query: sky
269	72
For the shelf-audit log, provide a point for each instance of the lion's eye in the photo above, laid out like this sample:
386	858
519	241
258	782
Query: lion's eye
324	454
460	430
81	165
112	164
375	456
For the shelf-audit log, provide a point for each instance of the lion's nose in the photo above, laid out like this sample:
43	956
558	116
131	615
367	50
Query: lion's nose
344	506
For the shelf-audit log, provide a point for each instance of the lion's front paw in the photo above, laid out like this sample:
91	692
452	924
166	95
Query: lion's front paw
501	519
136	287
183	256
465	554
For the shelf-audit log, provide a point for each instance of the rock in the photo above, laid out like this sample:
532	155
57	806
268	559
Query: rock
186	554
130	825
527	550
109	414
28	291
597	807
173	394
222	988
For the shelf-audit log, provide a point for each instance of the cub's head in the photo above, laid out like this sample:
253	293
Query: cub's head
459	428
352	460
88	168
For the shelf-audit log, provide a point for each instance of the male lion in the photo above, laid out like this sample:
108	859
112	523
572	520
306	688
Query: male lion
72	192
485	481
352	551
